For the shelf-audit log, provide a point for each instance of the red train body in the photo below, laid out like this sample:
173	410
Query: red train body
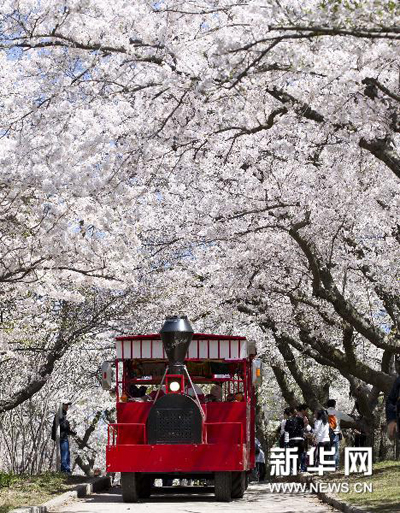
180	430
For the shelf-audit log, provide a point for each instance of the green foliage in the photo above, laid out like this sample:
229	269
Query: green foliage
45	481
7	479
25	490
386	494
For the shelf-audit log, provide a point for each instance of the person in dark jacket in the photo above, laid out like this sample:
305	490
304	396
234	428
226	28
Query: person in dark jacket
295	428
302	411
60	421
393	405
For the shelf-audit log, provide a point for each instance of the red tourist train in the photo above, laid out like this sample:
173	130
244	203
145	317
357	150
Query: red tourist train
185	409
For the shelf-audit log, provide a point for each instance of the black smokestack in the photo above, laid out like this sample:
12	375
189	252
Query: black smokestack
176	335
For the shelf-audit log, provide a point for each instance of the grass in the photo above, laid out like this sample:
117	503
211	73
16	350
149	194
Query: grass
23	490
385	496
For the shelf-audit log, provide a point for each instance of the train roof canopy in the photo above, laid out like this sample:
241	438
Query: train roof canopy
202	346
196	336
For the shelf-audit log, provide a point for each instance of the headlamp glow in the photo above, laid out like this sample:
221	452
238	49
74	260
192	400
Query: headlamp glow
174	386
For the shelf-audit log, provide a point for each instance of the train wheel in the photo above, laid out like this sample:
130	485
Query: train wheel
223	486
144	485
129	487
238	484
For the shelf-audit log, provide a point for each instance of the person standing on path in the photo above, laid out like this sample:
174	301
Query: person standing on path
393	405
60	422
331	409
321	433
302	411
260	461
295	428
283	435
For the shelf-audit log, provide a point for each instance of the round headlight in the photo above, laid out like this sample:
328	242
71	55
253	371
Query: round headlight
174	386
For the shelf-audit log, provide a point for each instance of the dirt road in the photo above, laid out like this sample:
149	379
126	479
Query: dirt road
257	498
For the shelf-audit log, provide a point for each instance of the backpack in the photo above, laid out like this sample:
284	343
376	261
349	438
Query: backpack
295	427
332	421
331	435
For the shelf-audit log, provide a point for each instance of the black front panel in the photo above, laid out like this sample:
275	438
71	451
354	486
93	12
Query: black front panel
174	419
174	426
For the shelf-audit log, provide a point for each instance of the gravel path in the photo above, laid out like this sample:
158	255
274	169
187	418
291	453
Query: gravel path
257	499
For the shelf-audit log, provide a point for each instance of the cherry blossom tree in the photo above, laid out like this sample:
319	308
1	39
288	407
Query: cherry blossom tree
235	160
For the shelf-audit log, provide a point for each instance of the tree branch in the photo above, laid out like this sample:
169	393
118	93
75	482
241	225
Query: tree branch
383	150
359	32
325	288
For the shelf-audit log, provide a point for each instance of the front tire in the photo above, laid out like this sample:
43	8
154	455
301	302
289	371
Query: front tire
129	487
223	486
